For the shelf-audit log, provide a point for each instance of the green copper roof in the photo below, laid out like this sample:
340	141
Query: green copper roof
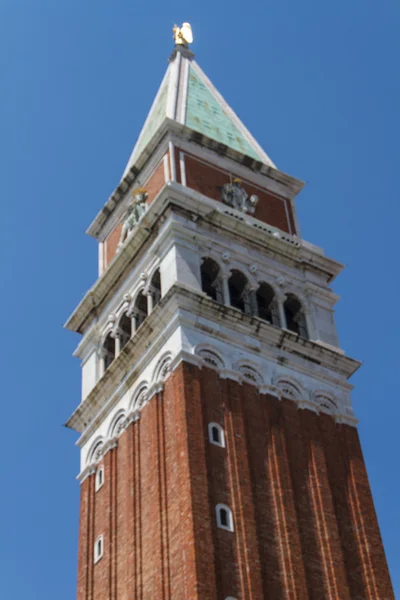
156	117
205	114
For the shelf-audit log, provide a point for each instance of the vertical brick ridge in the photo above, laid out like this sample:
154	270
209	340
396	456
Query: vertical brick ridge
293	573
126	487
215	396
102	526
176	470
204	584
331	552
297	440
163	497
375	571
91	534
258	443
150	514
113	522
137	502
84	534
241	491
337	474
122	515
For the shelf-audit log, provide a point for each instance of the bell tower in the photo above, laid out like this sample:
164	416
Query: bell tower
220	458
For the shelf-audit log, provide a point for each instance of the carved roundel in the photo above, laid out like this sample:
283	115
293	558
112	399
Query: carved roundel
289	389
211	359
140	397
251	375
119	425
97	452
326	403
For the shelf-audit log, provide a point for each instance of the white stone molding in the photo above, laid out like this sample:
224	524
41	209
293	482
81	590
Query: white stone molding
123	307
107	330
189	322
231	374
307	404
271	390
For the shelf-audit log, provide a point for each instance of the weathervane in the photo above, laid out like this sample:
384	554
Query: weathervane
183	36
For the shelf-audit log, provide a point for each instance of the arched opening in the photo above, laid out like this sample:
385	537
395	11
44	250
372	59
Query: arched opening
155	287
98	548
224	517
140	309
125	329
216	434
267	305
238	292
295	319
211	283
108	350
99	478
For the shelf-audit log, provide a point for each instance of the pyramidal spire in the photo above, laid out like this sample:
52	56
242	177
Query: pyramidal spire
188	97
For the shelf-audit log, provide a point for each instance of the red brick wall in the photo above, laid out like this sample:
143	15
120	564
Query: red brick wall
153	185
208	180
305	524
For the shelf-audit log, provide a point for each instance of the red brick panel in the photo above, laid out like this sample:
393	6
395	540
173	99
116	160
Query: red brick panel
372	572
208	180
202	582
153	185
215	409
150	513
178	490
304	520
85	560
125	515
241	491
102	510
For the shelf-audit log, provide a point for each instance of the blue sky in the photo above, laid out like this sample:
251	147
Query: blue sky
315	82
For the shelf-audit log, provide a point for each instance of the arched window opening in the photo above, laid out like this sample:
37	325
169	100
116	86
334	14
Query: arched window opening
216	434
99	478
267	305
295	319
108	350
224	517
238	292
156	287
211	283
125	329
98	548
140	309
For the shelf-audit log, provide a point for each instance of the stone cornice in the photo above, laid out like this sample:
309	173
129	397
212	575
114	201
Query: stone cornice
165	318
249	229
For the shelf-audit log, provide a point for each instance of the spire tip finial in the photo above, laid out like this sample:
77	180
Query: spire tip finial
183	36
